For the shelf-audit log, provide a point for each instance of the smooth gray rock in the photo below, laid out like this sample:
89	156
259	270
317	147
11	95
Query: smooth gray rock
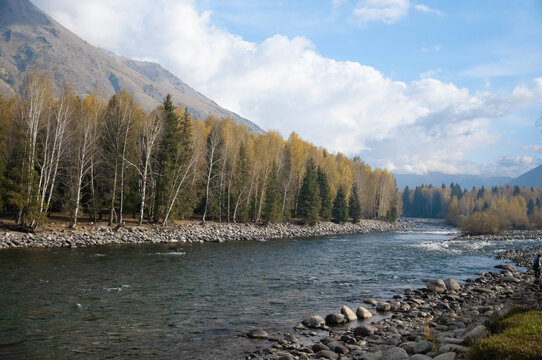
453	348
371	302
314	322
319	347
364	330
363	313
436	285
419	357
394	353
446	356
451	284
506	267
478	333
348	313
383	306
257	334
423	347
326	354
335	319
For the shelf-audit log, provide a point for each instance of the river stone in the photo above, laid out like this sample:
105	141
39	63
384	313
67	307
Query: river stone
326	354
319	347
453	348
371	302
363	313
436	285
383	306
286	357
364	330
348	313
451	284
257	334
341	349
291	338
394	353
446	356
314	322
335	319
419	357
423	347
506	267
478	333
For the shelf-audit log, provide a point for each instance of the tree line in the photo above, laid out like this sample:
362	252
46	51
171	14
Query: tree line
479	210
107	159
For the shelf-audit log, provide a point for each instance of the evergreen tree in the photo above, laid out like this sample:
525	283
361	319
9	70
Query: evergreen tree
354	205
340	207
438	209
309	196
167	156
406	201
273	197
417	203
325	196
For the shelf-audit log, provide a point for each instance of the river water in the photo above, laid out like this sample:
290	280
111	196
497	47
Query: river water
197	301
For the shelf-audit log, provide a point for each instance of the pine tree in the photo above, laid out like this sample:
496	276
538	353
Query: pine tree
273	197
340	207
169	149
325	195
309	196
406	202
354	205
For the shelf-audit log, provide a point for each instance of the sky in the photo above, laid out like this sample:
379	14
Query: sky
412	86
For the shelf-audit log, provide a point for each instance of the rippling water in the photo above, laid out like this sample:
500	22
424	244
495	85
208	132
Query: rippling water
195	301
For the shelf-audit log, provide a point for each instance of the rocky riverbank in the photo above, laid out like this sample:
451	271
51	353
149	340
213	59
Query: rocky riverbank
94	235
504	235
438	322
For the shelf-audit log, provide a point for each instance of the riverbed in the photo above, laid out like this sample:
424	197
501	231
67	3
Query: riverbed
198	301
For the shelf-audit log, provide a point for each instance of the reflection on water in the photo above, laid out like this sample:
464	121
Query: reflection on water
196	301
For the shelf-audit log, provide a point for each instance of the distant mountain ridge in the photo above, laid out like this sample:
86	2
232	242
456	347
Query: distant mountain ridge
438	178
29	38
532	178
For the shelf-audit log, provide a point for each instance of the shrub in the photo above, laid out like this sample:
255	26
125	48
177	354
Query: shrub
517	337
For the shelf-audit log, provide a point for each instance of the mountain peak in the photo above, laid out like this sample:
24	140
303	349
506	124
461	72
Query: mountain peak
21	12
30	39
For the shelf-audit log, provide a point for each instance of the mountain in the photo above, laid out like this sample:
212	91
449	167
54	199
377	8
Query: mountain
438	178
531	178
29	38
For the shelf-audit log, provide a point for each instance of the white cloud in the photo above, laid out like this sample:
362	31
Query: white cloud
430	73
427	9
387	11
284	84
535	148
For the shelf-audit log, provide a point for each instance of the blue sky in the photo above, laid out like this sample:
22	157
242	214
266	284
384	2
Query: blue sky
414	86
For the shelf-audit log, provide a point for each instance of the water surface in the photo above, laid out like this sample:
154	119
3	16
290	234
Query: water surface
196	301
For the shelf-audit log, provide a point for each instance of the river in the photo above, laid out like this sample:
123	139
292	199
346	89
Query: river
197	301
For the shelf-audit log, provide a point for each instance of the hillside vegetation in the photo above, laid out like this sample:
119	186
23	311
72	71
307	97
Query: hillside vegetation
60	152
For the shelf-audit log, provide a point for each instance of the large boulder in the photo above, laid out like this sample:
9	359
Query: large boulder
348	313
436	285
363	313
314	322
451	284
446	356
335	319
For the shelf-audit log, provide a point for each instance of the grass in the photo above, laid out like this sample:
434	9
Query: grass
517	336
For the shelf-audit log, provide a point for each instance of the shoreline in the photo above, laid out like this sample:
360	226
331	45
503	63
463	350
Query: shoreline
439	322
192	232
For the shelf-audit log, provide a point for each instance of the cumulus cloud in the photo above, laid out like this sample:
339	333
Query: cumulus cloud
427	9
387	11
284	84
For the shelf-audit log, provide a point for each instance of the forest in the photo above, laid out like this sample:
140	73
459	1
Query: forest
478	211
102	159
